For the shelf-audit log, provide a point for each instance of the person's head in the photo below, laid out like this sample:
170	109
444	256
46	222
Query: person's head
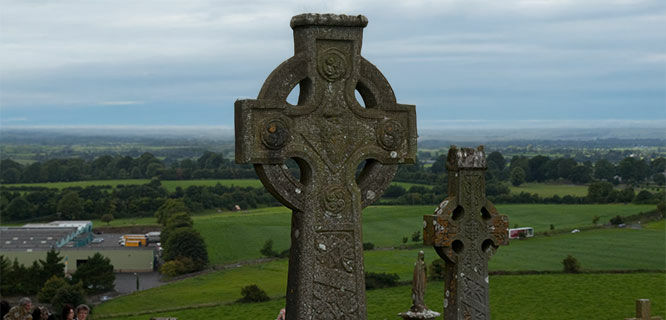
44	313
37	314
82	312
26	303
67	312
421	255
4	308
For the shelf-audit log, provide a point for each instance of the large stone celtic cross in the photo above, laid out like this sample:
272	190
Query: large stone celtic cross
465	230
328	133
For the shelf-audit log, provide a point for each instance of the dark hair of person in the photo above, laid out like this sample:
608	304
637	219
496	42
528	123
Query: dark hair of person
65	311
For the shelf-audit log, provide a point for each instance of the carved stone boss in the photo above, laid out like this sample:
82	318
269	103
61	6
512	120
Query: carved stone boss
466	230
328	133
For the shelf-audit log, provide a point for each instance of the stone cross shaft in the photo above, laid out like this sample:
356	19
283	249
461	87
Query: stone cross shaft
465	231
329	134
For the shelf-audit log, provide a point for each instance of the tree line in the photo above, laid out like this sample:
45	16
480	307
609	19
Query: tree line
517	170
47	279
22	203
93	202
209	165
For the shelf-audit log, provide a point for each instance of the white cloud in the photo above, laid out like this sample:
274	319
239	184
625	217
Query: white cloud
119	103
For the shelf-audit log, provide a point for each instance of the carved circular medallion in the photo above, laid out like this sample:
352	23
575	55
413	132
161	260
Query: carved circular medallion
334	201
390	134
332	64
274	134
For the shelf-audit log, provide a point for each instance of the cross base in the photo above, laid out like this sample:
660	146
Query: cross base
421	315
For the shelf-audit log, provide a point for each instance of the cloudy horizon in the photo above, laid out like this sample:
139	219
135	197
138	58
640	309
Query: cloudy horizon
527	63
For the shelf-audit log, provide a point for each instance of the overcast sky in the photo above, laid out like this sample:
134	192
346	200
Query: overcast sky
155	63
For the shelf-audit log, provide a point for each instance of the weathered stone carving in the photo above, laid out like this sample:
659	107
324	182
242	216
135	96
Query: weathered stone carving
466	230
418	310
328	133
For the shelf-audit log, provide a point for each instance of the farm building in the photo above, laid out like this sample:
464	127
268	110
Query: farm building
76	242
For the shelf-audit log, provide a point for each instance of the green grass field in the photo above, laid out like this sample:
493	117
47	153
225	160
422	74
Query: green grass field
549	190
234	236
543	297
601	249
240	236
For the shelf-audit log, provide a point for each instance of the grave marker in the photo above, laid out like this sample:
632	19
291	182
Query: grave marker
465	231
328	133
643	311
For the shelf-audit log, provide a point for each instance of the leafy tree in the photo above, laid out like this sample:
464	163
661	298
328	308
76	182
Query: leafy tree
11	175
617	220
632	169
267	249
10	171
170	207
186	242
106	218
496	161
437	270
178	266
18	209
659	179
626	195
537	168
32	173
177	221
71	206
519	161
68	294
580	174
6	284
377	280
604	170
517	176
661	207
571	264
253	293
658	165
439	166
153	169
394	191
598	192
96	274
496	188
565	168
52	267
416	236
50	288
644	196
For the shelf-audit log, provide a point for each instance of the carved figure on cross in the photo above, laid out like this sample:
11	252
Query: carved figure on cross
465	231
328	133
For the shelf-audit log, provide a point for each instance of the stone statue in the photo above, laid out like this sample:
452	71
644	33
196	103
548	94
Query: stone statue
419	284
419	309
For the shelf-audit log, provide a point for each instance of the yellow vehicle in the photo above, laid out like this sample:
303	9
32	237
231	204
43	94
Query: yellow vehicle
133	240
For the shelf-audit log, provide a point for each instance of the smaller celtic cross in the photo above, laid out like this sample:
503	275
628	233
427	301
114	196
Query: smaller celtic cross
466	230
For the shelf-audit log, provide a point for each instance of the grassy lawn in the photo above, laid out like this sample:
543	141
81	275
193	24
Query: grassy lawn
543	297
602	249
239	236
549	190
